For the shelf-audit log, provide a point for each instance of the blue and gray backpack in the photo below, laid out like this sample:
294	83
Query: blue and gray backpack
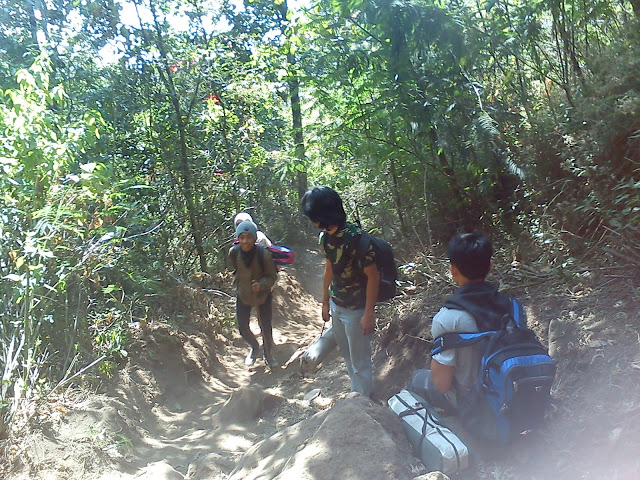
515	378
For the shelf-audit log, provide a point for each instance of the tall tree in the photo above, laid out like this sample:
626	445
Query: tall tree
155	36
293	81
276	23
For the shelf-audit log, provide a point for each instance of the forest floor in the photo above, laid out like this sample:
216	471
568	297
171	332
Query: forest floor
184	406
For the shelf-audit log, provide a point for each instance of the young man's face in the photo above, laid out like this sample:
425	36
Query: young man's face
246	241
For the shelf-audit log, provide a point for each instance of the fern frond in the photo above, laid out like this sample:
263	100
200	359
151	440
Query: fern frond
486	126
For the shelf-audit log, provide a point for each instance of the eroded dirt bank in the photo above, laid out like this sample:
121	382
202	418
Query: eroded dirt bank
185	406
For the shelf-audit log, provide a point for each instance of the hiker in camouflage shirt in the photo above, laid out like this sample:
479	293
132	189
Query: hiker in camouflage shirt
350	288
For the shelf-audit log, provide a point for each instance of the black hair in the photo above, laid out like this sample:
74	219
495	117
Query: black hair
471	253
324	205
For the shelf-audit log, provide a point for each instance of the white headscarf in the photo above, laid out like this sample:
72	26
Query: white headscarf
241	217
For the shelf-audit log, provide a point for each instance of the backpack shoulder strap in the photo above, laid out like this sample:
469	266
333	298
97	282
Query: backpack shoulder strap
451	340
234	256
260	254
363	244
518	313
447	341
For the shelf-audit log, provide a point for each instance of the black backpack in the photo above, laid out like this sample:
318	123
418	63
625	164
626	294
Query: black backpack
385	262
514	383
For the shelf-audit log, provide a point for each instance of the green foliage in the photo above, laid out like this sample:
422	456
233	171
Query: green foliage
56	237
430	117
410	114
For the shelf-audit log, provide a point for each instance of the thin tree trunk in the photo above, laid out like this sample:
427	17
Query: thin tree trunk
33	23
522	89
563	48
227	155
569	42
298	136
296	111
459	198
396	196
440	156
185	168
427	210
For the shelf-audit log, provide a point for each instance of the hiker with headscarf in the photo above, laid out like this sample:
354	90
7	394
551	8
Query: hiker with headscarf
254	278
260	236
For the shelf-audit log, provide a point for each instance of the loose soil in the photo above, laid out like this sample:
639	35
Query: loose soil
184	406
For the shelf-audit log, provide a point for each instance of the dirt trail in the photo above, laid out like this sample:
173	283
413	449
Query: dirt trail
186	407
187	402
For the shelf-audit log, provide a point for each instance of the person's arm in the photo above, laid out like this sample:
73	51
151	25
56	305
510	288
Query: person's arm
326	282
270	273
443	363
263	239
441	376
368	322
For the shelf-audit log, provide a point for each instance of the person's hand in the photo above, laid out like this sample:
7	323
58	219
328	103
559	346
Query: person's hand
255	286
326	313
368	323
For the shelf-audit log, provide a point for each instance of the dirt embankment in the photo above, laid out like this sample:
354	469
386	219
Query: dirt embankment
186	407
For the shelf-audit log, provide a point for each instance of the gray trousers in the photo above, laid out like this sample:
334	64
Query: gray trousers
422	384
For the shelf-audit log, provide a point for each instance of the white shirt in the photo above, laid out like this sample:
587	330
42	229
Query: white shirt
466	360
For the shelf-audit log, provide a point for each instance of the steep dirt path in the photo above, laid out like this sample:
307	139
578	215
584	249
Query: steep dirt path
187	405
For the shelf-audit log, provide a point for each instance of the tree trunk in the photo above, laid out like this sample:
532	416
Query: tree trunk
444	164
396	196
188	187
33	23
566	54
569	43
459	198
298	136
296	112
185	168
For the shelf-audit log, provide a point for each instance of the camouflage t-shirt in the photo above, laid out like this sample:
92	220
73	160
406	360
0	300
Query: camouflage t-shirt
349	285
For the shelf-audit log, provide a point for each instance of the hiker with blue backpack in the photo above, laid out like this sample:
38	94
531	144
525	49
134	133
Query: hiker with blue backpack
487	367
254	278
350	285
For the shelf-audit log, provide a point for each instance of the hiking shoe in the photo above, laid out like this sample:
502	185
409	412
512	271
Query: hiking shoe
250	359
